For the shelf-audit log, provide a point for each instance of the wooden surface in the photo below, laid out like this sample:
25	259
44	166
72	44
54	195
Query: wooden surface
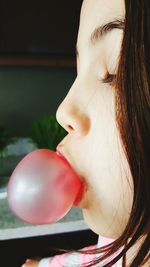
37	61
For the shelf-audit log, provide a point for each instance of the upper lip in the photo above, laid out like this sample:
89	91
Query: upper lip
60	153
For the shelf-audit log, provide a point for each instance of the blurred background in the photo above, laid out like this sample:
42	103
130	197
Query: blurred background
37	59
37	68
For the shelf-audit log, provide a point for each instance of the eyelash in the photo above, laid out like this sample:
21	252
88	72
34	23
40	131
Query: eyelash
109	78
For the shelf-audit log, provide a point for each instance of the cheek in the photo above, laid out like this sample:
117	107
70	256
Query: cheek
111	167
110	192
109	174
110	187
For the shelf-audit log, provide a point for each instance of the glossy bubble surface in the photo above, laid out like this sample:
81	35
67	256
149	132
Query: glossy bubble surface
43	187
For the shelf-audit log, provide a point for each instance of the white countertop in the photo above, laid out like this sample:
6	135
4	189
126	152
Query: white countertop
11	227
40	230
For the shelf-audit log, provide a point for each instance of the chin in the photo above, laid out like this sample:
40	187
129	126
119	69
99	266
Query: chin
90	222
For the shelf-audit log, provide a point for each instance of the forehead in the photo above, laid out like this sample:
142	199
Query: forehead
98	12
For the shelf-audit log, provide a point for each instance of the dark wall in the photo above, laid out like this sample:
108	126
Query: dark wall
39	27
29	92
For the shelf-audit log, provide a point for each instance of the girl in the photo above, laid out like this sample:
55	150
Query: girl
107	116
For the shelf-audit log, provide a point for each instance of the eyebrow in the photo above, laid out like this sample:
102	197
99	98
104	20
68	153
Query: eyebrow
103	30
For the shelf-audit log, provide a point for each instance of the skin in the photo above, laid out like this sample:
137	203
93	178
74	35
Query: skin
93	145
31	263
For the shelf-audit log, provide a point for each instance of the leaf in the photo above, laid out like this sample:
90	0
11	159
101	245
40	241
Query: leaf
46	132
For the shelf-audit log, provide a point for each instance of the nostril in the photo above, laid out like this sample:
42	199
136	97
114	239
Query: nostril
70	127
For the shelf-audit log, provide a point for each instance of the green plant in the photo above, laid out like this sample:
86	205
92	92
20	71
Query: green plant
46	132
5	139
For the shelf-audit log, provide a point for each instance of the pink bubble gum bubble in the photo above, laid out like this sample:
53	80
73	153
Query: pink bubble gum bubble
43	187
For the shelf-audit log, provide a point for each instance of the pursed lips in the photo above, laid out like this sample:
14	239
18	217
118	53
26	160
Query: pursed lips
84	186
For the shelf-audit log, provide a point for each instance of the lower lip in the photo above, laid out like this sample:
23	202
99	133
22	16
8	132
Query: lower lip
62	157
80	195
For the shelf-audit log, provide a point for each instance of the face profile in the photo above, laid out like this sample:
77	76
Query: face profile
106	116
93	143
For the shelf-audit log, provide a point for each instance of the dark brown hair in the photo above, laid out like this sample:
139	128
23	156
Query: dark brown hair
132	89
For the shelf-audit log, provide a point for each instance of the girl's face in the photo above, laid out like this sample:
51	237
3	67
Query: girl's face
93	145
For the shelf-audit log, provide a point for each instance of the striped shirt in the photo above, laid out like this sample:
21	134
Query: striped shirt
76	259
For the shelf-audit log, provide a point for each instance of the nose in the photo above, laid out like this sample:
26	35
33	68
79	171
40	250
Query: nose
72	115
